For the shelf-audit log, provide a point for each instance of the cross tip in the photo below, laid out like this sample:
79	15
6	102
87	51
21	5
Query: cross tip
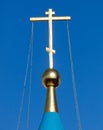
50	11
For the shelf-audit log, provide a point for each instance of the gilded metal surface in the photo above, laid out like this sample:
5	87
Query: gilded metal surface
50	20
63	18
51	104
50	78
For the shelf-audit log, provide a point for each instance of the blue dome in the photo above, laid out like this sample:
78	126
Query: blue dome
51	121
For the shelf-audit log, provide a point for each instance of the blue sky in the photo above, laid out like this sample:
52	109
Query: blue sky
86	30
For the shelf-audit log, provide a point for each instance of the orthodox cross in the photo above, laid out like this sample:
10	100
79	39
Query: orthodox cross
50	18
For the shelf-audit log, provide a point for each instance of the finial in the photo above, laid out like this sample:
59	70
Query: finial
51	80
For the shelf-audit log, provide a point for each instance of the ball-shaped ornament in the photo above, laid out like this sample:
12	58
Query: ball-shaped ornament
50	78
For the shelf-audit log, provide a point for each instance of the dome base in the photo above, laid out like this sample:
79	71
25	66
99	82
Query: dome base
51	121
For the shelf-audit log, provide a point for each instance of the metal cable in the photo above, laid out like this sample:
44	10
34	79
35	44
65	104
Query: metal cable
30	84
25	80
73	81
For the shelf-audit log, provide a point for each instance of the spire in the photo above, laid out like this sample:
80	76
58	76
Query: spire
50	79
51	118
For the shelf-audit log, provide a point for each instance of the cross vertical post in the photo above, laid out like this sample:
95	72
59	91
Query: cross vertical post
50	50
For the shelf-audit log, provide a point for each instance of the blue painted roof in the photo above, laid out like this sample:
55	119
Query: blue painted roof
51	121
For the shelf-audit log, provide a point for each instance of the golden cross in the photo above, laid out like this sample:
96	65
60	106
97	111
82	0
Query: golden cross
50	18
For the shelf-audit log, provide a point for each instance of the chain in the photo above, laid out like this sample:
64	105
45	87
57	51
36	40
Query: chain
30	84
73	81
25	80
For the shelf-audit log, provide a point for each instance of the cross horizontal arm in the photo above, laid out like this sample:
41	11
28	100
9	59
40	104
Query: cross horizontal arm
33	19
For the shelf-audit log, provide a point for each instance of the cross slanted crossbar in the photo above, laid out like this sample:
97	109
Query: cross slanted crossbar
50	18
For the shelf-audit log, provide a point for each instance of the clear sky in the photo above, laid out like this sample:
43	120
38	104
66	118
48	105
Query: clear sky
86	30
